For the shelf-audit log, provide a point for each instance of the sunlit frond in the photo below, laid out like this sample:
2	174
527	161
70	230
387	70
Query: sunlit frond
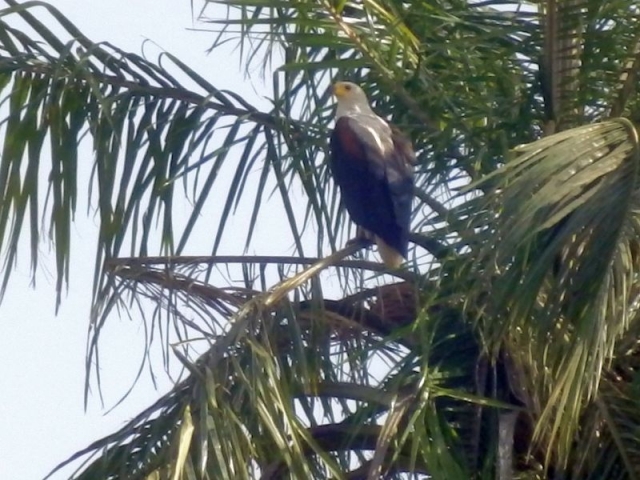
561	266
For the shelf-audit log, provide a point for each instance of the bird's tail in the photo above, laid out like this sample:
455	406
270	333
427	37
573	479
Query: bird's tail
390	256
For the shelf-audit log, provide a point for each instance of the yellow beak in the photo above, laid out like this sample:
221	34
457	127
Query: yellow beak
339	89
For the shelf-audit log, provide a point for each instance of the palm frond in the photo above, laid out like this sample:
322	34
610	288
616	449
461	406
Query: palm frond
148	132
559	295
293	373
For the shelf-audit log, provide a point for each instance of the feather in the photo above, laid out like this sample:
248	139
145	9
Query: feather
372	164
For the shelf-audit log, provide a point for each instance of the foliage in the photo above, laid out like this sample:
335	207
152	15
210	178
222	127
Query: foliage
509	347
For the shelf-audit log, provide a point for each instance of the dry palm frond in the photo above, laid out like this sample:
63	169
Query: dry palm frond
397	304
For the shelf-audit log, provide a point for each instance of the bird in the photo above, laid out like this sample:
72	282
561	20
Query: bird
372	164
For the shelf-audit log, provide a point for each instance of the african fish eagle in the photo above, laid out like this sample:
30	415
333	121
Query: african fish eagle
372	164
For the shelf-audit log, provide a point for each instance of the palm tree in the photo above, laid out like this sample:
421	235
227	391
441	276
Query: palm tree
508	346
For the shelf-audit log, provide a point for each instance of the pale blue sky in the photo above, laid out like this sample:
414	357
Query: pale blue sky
42	356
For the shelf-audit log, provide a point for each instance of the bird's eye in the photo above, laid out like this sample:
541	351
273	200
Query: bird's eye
347	87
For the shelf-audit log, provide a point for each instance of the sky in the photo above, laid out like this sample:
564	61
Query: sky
42	355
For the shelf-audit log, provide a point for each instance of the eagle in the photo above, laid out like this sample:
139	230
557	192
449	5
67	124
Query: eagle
372	164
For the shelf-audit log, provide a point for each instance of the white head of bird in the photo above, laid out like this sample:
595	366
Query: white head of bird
351	99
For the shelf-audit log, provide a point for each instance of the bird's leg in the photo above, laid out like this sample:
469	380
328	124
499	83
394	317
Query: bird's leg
362	237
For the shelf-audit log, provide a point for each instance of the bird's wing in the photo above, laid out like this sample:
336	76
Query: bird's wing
401	164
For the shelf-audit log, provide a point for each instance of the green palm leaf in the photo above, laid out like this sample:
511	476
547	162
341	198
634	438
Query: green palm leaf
573	273
509	348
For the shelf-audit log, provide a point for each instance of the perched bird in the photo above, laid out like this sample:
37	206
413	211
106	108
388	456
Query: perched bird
372	163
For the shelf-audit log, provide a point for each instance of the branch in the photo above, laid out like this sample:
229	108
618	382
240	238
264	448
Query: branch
116	265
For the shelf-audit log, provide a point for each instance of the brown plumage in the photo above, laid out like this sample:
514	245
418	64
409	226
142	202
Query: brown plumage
372	163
